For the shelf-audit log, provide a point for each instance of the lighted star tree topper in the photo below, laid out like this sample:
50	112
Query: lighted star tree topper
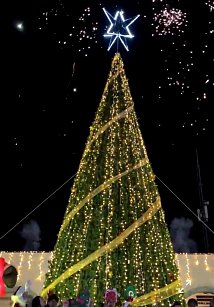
119	28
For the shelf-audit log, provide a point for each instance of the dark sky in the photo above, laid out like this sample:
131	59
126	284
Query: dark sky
52	78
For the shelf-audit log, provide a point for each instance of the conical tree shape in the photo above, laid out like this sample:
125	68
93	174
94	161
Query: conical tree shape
114	190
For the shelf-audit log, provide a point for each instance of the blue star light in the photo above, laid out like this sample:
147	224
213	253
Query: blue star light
119	28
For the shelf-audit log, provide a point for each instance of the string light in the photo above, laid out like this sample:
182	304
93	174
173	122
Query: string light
196	260
19	268
113	187
39	260
206	263
41	263
30	260
188	278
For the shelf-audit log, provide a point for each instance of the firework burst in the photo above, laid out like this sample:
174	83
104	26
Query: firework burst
169	21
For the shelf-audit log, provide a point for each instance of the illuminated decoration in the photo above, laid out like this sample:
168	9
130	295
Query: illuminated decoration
40	267
114	233
117	117
206	264
199	275
188	279
20	265
158	295
104	249
99	189
119	28
19	26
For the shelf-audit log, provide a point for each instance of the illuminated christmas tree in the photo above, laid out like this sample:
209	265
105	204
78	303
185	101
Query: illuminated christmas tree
114	232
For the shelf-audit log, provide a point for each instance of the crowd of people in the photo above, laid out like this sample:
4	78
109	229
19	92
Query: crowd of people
27	300
21	298
39	301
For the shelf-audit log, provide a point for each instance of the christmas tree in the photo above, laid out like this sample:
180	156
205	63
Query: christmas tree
114	232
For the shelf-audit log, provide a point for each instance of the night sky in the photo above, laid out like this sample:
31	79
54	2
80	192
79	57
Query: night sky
54	65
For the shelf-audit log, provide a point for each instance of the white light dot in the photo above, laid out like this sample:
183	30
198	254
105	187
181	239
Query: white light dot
19	26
